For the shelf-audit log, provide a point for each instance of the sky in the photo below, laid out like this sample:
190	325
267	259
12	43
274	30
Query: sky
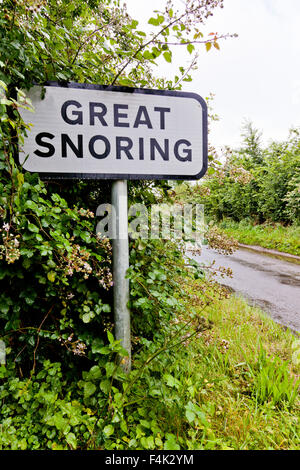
254	77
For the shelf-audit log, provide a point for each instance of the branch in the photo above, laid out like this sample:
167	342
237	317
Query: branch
142	46
164	348
192	64
86	40
205	41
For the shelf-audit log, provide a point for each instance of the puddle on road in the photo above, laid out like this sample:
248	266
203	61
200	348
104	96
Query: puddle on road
288	280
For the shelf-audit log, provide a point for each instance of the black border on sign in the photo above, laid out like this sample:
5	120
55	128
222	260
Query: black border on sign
145	91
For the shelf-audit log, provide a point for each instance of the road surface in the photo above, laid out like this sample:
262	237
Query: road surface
269	282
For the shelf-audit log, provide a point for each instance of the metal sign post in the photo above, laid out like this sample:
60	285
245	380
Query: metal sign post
120	266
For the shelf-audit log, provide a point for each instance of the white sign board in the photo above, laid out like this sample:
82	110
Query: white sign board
91	131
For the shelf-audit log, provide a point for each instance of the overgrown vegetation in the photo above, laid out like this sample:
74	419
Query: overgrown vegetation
259	183
253	193
61	386
210	385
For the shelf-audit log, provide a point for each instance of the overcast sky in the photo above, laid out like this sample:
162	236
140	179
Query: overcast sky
255	76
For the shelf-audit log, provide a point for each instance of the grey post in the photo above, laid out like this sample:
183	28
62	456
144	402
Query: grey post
120	266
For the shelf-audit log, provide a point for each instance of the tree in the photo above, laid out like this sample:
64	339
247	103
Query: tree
251	145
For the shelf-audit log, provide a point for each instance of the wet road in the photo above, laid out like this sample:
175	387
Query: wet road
271	283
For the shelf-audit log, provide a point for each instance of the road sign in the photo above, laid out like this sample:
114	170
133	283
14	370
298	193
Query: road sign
105	132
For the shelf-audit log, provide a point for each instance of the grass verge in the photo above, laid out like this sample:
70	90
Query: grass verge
272	236
234	386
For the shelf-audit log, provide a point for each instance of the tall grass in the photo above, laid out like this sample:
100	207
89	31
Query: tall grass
233	386
252	383
272	381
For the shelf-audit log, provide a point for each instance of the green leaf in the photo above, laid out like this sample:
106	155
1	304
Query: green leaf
153	21
71	440
105	350
190	416
168	56
89	389
170	443
126	82
95	373
108	430
208	46
110	368
2	84
106	308
87	317
171	381
51	276
147	55
33	228
155	52
58	421
110	337
145	423
124	427
5	101
190	48
85	237
105	386
202	418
